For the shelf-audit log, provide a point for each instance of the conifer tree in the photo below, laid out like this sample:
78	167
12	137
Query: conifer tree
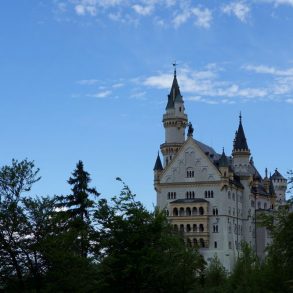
76	209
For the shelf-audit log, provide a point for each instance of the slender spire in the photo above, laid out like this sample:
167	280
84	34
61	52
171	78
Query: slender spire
175	95
158	165
240	142
223	162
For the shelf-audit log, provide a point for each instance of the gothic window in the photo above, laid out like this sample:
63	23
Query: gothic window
201	228
201	211
175	212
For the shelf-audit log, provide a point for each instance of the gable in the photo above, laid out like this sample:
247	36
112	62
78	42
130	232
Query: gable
190	164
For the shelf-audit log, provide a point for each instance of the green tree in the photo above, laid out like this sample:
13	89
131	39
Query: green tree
139	252
215	276
75	210
16	259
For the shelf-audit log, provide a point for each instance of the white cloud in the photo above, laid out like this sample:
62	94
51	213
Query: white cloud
143	10
240	9
269	70
100	95
289	101
203	17
88	81
80	9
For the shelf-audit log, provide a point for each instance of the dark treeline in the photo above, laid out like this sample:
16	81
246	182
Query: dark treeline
81	242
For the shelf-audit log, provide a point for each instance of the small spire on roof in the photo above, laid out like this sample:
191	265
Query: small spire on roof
240	117
266	171
174	65
158	165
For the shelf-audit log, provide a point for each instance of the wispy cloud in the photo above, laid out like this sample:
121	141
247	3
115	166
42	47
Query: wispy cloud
239	9
208	86
100	95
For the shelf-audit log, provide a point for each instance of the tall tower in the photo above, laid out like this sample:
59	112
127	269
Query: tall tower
280	187
241	152
175	121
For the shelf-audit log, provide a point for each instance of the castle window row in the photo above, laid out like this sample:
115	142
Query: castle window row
197	243
171	195
189	228
190	194
264	205
208	194
181	212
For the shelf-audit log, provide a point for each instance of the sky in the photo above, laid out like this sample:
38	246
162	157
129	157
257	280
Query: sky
88	80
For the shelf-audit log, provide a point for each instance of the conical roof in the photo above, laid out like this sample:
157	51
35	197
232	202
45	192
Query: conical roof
175	95
277	175
223	161
158	165
240	142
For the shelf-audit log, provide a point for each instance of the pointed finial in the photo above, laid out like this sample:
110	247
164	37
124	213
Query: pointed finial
266	172
223	150
240	117
174	65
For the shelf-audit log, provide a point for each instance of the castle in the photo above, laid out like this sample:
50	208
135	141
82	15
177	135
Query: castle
212	198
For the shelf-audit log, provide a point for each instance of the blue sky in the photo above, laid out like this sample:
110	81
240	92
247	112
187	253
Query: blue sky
88	79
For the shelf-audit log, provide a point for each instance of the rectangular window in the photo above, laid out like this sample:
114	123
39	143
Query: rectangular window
215	244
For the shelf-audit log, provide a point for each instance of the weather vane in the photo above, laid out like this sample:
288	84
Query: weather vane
174	65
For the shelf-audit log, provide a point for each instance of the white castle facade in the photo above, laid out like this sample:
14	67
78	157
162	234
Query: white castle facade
213	199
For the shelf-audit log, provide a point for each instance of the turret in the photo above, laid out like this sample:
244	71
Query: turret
175	122
224	164
158	168
241	152
280	186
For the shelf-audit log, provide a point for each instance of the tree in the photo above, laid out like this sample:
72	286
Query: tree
75	209
279	262
215	276
15	256
139	252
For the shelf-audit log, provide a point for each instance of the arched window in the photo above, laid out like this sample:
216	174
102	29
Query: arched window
216	211
209	194
181	228
175	212
201	211
194	228
259	205
194	211
201	228
265	206
193	195
215	244
201	241
175	227
181	212
195	242
189	173
188	211
188	228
